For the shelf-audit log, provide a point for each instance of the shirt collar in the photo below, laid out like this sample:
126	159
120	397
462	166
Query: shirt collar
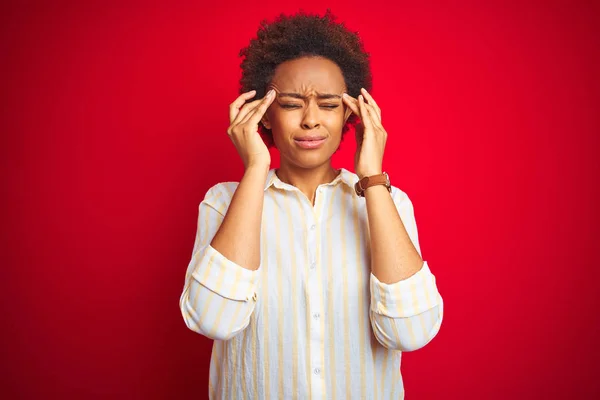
345	176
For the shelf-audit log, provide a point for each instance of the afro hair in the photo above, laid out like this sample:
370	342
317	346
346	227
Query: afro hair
300	35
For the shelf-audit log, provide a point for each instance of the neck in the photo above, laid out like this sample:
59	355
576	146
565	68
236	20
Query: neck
306	179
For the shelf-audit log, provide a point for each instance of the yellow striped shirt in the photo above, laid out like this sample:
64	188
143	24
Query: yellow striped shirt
312	322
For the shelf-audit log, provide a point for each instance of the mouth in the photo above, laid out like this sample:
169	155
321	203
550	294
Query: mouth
310	142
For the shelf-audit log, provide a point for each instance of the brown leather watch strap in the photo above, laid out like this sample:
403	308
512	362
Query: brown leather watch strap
368	181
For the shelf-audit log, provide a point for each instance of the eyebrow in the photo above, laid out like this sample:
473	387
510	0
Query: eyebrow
319	96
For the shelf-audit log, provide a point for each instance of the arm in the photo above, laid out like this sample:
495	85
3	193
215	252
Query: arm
393	255
238	238
219	291
406	307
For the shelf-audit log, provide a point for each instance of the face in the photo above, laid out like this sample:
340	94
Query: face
307	115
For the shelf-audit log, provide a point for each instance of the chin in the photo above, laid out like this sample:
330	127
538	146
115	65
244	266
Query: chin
311	159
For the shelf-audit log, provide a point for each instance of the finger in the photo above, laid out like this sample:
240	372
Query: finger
234	107
248	116
365	116
373	113
254	110
371	101
352	103
245	110
259	111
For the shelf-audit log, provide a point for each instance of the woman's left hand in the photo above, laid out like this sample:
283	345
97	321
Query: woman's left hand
370	134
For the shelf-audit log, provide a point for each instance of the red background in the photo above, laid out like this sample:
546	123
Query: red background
114	120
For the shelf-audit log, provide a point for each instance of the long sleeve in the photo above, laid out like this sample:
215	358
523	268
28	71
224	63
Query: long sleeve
406	315
218	295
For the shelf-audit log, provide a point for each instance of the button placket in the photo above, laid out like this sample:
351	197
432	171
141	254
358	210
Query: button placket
315	299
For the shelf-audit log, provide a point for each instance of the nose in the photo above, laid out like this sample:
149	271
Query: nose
310	119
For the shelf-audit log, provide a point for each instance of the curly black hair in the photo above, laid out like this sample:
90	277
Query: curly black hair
299	35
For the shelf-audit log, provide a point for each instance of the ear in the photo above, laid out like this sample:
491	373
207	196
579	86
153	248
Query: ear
265	121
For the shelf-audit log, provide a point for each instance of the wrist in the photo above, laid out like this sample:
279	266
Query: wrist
373	190
368	181
255	167
362	174
256	173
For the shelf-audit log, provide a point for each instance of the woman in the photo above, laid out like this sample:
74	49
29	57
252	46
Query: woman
310	285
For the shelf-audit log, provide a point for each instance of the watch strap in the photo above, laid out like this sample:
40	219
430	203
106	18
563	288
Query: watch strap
373	180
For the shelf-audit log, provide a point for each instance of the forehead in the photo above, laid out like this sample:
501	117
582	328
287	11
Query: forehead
309	74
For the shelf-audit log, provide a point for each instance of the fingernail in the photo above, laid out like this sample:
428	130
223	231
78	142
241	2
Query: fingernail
344	94
270	92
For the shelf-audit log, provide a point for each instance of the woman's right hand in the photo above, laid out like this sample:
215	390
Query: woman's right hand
243	128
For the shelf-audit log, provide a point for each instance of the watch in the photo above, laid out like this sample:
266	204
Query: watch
368	181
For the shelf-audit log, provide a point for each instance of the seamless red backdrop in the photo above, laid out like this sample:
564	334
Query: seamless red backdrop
113	127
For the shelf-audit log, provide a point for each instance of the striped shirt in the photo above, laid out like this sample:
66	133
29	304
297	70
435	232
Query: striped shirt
312	322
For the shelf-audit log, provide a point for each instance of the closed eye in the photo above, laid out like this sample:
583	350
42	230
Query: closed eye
292	106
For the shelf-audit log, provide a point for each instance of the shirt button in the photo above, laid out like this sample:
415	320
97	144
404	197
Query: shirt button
316	315
312	227
317	371
313	265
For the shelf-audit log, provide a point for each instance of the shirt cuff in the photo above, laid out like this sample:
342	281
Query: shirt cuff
405	298
225	277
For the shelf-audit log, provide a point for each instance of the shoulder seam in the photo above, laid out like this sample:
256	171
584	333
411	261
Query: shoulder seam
222	192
